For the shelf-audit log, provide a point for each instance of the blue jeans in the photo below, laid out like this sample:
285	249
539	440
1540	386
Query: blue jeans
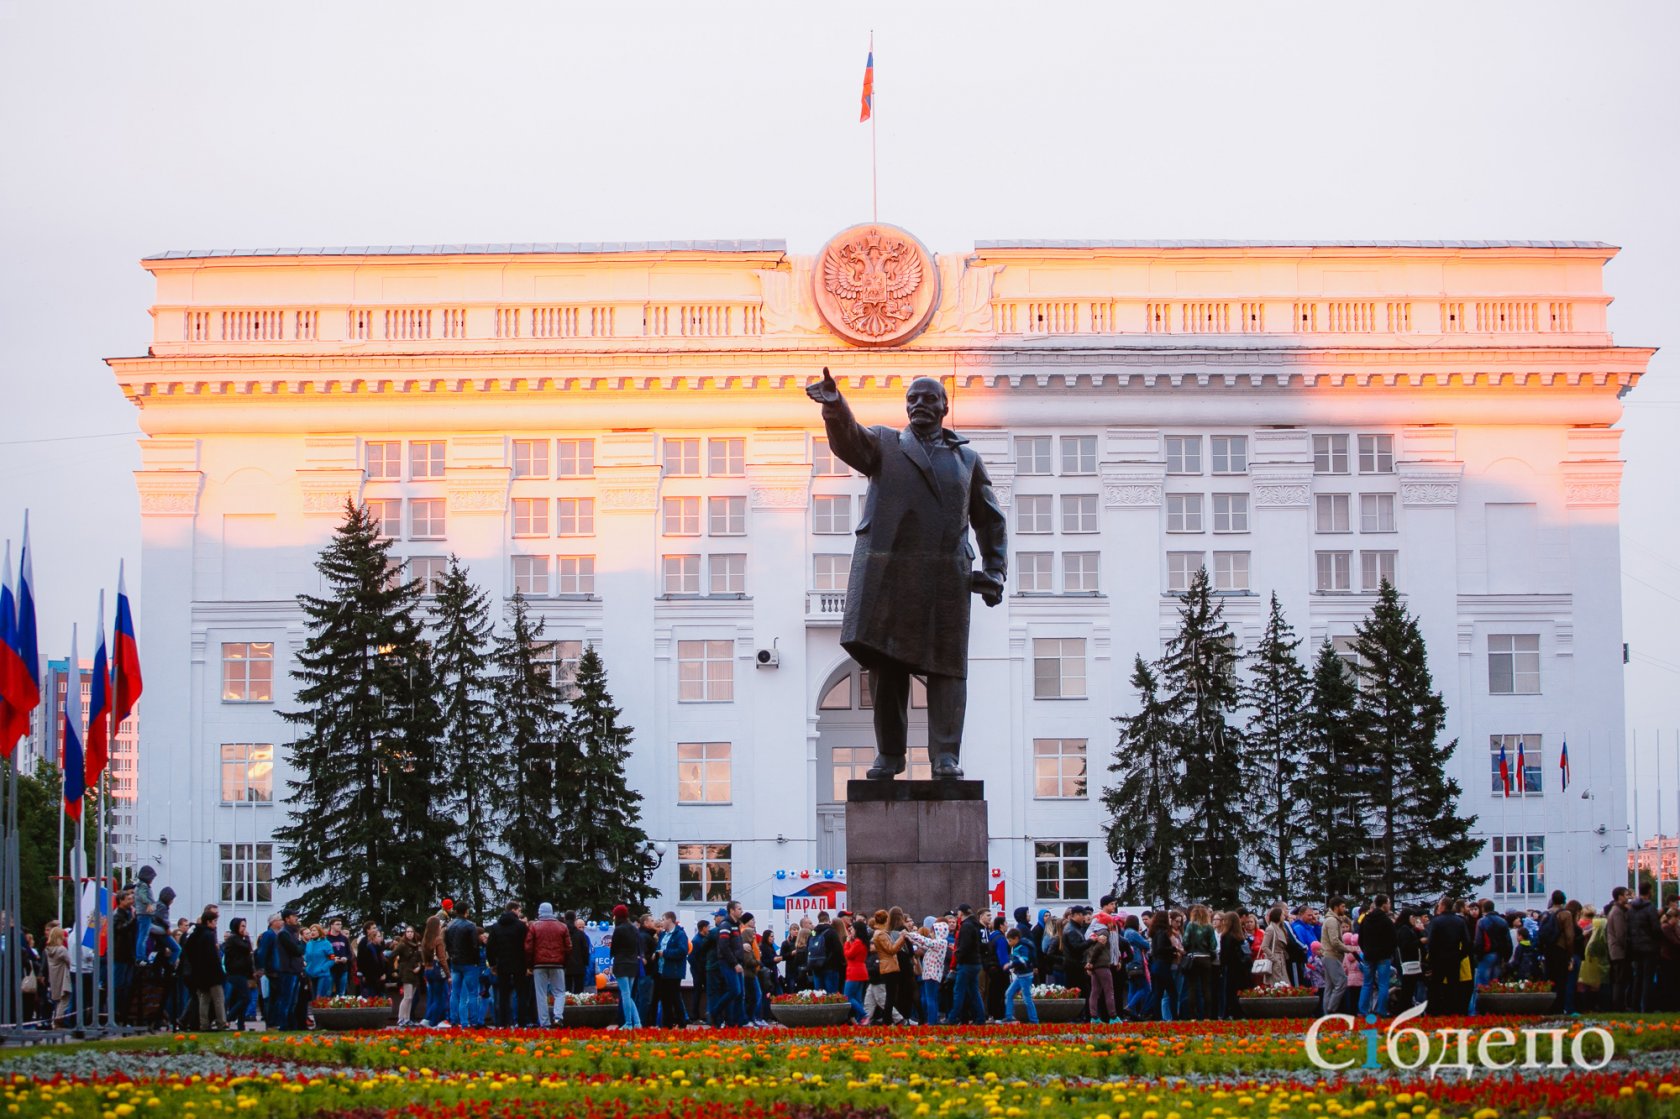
1375	990
1486	968
644	996
716	995
464	994
282	991
967	988
142	933
1137	993
734	997
236	998
854	994
437	996
341	980
627	1007
1021	985
1163	990
930	1002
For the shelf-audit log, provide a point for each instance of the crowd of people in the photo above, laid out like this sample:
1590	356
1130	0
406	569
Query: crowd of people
958	967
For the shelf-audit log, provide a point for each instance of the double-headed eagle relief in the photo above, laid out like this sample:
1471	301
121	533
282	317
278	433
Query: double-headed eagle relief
876	285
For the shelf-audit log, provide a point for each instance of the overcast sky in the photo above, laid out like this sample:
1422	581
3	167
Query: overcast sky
129	128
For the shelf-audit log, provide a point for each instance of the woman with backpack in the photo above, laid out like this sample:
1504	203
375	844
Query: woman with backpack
238	964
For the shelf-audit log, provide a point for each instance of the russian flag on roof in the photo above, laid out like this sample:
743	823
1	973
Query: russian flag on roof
99	707
75	781
126	684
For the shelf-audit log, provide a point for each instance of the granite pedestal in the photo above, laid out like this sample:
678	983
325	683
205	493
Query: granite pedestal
919	845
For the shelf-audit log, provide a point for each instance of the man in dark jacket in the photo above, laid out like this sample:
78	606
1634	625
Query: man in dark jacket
579	957
1449	947
1376	945
294	1012
1409	949
704	975
1644	948
204	961
966	991
650	966
124	926
913	568
505	953
460	941
1616	940
731	967
1074	948
626	945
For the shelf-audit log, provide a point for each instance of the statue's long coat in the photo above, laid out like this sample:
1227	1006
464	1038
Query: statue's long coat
908	596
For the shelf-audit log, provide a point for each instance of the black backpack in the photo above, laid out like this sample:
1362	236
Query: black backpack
816	951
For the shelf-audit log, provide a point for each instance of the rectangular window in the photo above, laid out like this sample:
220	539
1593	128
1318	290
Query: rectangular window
1035	573
1032	455
1079	512
425	518
681	516
1333	571
574	516
428	571
1230	512
247	672
530	516
824	462
703	772
384	462
1376	512
1330	454
530	576
1184	512
1062	869
562	658
574	574
530	458
831	514
703	873
726	458
1184	454
1079	454
247	873
1330	512
728	573
1533	770
1059	768
1058	668
1181	570
425	459
682	458
1032	513
387	514
247	773
1230	453
1519	865
705	671
1514	663
1347	648
682	574
1376	454
1374	569
830	572
726	516
1230	571
574	458
1079	572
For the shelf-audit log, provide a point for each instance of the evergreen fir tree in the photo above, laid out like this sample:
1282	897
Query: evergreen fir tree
532	726
472	757
362	738
1198	675
1275	694
1140	807
424	831
602	837
1335	831
1424	846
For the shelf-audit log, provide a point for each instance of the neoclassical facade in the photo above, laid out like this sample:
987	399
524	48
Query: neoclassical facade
619	432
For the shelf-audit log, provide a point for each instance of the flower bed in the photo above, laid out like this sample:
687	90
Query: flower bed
810	998
1278	1002
350	1012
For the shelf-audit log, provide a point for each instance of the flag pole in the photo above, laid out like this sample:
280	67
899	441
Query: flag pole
1638	851
874	181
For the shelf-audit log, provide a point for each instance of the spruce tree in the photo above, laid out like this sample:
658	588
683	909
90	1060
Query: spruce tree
1424	846
1198	675
1140	808
472	758
1333	817
360	735
601	833
424	831
531	722
1275	694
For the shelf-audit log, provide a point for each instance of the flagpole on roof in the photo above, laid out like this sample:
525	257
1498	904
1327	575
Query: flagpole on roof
874	182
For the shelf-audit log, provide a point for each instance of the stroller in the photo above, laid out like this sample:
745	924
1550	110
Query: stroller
156	1001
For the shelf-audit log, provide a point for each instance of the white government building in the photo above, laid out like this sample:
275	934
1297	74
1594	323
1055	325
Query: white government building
619	431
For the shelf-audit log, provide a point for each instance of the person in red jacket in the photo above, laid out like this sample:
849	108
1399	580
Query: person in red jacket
856	951
548	944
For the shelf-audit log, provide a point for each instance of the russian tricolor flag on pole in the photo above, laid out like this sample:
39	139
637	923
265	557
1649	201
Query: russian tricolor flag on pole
1504	768
1522	764
99	707
868	83
126	683
20	666
1563	763
75	782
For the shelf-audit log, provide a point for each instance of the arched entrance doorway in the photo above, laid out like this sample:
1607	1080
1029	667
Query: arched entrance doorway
846	746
